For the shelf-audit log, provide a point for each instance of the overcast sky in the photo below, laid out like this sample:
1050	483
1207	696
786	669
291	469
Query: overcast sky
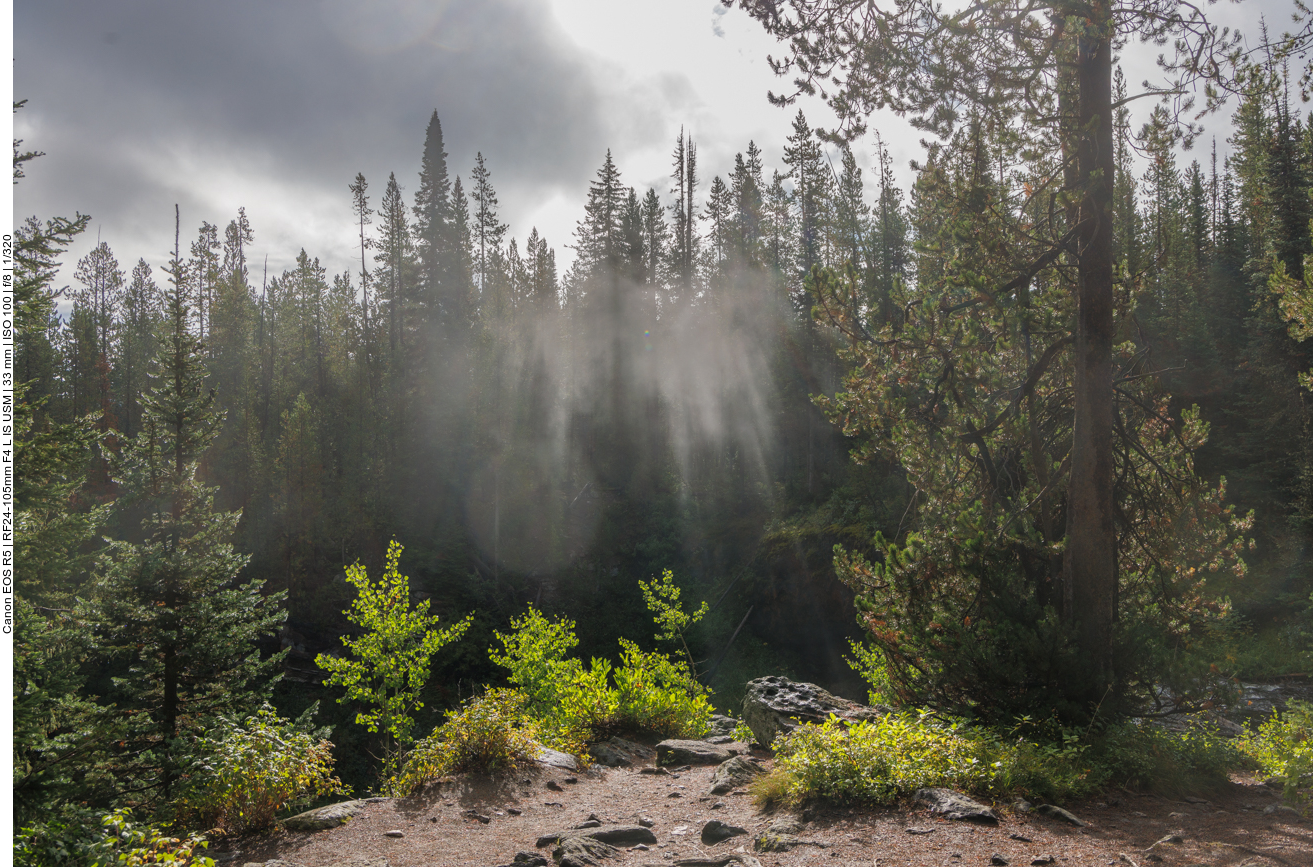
275	105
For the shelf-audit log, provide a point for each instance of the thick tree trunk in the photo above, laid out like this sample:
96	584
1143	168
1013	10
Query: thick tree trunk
1090	564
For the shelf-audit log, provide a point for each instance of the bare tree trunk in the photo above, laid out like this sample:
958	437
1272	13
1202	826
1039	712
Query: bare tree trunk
1090	567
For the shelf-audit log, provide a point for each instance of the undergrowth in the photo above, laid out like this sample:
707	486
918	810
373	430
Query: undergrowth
1283	747
884	761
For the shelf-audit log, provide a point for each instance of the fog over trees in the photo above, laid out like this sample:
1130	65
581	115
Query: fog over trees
1028	437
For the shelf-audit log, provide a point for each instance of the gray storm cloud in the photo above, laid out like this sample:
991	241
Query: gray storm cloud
276	106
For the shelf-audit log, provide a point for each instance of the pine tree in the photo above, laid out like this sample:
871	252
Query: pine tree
599	236
811	192
203	269
434	240
486	230
168	603
395	265
749	219
656	238
99	273
684	247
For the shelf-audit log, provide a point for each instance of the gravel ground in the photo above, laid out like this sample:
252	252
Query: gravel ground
442	828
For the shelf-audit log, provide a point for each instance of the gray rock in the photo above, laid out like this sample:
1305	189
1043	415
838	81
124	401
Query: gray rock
396	832
350	862
998	860
717	831
733	773
1060	814
614	835
556	759
719	740
781	836
620	753
719	861
774	706
785	825
1281	811
722	725
679	752
323	818
622	835
955	805
582	852
528	859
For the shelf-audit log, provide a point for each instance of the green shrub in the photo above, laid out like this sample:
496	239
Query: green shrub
870	664
535	653
587	709
572	705
244	774
490	733
658	695
882	761
1283	747
81	838
1145	756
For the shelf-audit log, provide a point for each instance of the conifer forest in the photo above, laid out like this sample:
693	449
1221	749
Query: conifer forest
1027	437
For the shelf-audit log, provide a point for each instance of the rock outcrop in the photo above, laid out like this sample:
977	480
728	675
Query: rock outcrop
776	705
955	805
620	753
323	818
733	773
717	831
582	852
681	752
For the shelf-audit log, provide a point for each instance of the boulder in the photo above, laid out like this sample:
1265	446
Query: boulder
556	759
722	725
349	862
1281	811
955	805
620	753
528	859
733	773
717	831
614	835
719	861
323	818
582	852
781	836
774	706
679	752
1060	814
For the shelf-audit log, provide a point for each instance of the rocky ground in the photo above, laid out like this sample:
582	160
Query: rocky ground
483	822
686	804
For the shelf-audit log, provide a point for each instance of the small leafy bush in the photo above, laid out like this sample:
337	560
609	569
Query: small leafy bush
572	705
244	774
81	838
879	762
659	695
535	653
1283	747
490	733
587	709
1144	756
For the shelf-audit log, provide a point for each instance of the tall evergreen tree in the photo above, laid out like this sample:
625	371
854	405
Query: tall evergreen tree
684	245
486	230
434	239
168	603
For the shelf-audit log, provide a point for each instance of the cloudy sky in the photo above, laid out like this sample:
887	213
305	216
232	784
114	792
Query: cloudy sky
275	105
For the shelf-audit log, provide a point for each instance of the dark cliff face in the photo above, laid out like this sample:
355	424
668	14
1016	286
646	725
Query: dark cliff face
807	616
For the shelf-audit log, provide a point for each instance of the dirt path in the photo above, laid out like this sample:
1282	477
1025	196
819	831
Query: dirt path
441	829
